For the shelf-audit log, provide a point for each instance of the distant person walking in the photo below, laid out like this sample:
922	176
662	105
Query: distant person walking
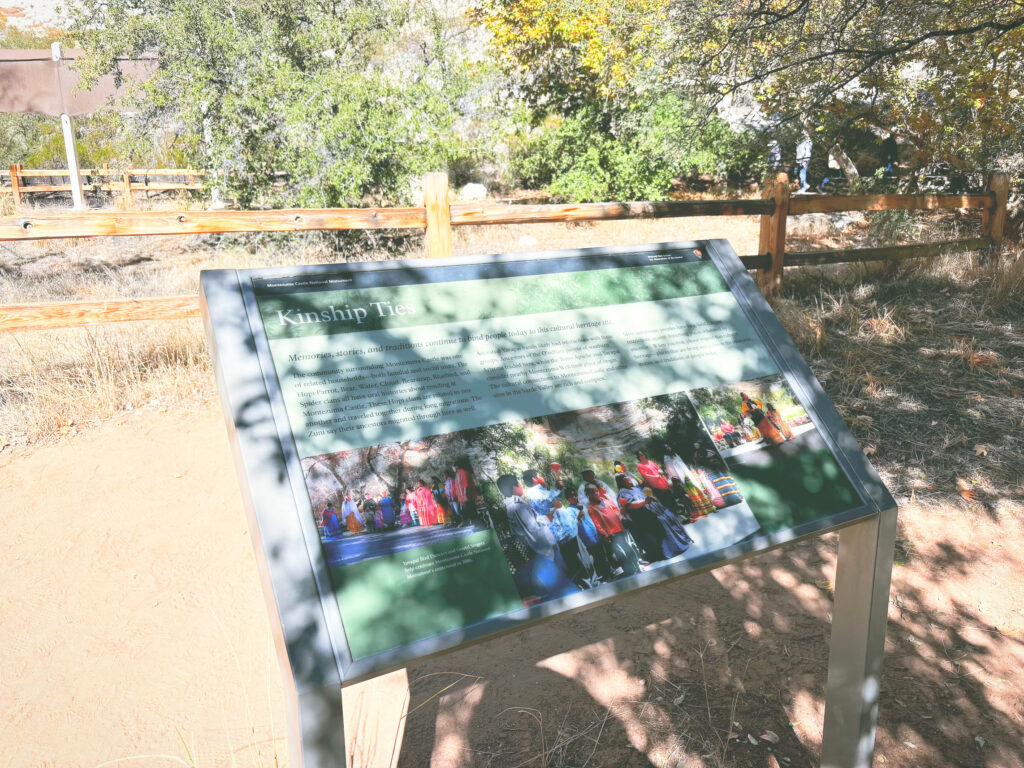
890	156
803	160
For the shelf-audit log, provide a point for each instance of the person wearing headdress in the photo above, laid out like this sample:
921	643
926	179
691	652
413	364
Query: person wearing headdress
754	408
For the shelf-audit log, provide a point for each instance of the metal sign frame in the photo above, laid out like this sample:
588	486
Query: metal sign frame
309	634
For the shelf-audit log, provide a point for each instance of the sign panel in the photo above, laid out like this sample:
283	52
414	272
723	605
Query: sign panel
467	446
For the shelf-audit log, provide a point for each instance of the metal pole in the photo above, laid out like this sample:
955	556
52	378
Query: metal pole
70	150
863	575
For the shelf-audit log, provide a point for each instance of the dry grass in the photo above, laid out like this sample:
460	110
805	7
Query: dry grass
924	361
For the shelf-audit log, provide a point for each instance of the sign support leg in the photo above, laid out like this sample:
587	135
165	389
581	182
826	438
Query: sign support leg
316	729
863	576
375	711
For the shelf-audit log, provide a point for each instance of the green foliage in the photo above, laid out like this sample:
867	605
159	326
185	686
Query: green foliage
354	102
632	154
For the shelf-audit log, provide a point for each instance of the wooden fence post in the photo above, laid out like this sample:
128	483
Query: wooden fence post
993	215
439	215
16	184
127	202
773	234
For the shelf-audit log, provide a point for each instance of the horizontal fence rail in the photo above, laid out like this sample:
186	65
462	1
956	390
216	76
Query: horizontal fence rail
835	204
437	217
123	181
131	223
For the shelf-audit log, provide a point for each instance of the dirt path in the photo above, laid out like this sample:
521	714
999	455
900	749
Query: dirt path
133	624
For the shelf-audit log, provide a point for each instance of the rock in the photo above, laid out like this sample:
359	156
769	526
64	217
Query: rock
824	224
474	192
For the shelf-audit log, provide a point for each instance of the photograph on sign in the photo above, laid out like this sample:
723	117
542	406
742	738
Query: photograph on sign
476	441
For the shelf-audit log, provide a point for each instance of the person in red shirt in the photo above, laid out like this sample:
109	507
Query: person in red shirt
608	520
656	480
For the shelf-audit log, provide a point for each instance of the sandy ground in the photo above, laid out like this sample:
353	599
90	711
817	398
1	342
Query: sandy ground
134	627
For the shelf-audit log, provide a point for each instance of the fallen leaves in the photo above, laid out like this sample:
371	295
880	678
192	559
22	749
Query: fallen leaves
984	360
981	450
964	489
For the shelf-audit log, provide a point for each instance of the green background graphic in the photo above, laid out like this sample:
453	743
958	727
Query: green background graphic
383	609
497	297
795	489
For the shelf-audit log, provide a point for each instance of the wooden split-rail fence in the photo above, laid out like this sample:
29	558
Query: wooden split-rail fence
124	183
437	216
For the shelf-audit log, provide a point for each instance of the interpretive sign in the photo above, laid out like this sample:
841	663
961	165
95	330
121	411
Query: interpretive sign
433	452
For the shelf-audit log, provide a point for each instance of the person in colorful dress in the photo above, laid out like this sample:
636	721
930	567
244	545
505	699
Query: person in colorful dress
449	493
405	515
352	516
658	532
369	510
724	483
445	514
749	432
590	538
754	408
410	500
655	479
566	529
729	434
778	421
426	507
706	484
331	524
386	505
